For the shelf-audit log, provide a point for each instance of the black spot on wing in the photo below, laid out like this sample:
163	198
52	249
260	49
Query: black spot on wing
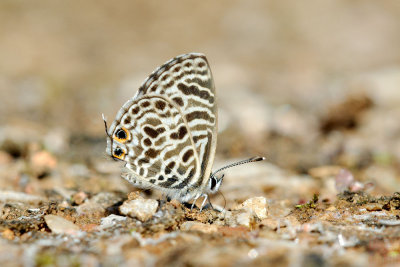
153	133
145	104
150	132
135	110
171	164
143	161
127	120
152	153
160	105
180	134
188	154
147	142
178	100
169	182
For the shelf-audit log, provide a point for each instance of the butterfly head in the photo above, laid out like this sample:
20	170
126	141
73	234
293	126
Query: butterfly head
214	183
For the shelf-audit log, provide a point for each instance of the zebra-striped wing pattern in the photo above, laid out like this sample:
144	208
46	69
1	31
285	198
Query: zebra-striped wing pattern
167	132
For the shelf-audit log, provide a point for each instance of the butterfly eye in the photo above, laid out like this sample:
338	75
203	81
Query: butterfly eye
119	153
121	135
213	182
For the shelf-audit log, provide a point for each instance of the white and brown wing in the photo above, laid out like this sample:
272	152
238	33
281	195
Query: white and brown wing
170	128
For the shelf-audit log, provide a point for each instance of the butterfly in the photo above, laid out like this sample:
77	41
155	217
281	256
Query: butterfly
167	133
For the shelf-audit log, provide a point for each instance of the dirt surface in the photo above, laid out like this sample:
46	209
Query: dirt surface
315	88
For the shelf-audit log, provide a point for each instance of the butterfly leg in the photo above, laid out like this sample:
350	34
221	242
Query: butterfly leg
194	202
204	201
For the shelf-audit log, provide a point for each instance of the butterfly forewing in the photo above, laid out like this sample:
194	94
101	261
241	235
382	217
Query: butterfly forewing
171	123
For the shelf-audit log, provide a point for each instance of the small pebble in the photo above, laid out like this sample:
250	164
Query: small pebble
256	205
373	207
13	196
59	225
79	198
133	195
111	220
244	218
43	160
140	208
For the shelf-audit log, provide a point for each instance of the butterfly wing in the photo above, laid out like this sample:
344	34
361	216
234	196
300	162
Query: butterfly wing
182	135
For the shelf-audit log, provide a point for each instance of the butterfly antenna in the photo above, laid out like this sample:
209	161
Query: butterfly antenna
105	124
253	159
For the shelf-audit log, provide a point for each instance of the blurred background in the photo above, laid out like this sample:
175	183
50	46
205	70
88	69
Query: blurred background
305	84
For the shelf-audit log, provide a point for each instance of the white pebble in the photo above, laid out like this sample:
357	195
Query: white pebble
256	205
143	209
59	225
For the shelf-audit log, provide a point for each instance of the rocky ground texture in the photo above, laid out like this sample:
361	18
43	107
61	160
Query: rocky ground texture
57	213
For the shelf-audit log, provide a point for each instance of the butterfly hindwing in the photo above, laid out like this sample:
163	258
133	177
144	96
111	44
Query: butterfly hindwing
187	81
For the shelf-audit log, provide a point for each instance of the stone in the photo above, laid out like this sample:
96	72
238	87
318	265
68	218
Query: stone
42	161
256	206
79	197
244	218
142	209
59	225
373	207
13	196
111	220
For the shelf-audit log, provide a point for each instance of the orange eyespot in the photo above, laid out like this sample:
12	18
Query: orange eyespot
122	135
119	153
